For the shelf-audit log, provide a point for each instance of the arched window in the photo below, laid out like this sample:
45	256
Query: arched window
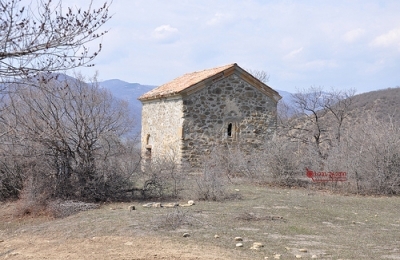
230	130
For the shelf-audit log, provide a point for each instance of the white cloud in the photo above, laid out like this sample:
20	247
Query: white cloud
391	38
353	35
218	18
165	34
293	53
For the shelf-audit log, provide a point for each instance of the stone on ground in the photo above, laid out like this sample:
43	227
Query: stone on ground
239	245
238	239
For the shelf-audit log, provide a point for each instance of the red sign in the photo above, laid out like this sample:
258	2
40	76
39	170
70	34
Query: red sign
326	176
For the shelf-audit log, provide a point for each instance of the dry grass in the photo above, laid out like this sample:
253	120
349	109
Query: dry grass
329	226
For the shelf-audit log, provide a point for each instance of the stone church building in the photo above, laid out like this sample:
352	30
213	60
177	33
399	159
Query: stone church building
183	119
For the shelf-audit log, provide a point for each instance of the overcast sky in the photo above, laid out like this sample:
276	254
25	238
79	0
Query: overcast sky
337	44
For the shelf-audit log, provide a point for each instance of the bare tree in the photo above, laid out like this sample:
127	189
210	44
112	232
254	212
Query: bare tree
339	103
43	36
309	126
319	117
261	75
73	124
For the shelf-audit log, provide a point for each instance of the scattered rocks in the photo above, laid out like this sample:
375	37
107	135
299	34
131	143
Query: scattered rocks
1	240
186	235
131	207
277	256
314	256
216	236
184	205
188	204
238	239
239	245
128	244
303	250
298	256
157	205
170	205
257	246
148	205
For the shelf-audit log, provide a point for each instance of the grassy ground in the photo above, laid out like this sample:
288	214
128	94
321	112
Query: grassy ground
328	226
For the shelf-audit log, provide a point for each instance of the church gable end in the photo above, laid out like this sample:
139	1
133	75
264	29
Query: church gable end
229	110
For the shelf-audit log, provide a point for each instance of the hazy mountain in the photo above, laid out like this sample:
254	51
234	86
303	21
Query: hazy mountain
286	96
129	92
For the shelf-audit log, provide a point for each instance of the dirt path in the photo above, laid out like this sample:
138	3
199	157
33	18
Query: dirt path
112	247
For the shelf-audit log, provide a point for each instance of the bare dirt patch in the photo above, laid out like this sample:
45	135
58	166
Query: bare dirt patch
106	247
285	221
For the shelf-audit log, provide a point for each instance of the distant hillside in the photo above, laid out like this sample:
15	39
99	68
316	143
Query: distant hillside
286	96
383	104
129	92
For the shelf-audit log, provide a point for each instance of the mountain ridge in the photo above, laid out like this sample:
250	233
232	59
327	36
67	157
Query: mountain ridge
381	102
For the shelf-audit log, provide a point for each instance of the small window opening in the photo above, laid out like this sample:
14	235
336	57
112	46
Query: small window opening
148	147
148	152
230	130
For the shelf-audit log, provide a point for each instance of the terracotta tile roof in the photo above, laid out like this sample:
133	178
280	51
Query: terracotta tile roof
183	82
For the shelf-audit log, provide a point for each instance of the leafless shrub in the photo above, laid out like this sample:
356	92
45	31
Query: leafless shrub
373	155
245	164
368	151
11	179
173	220
62	209
285	162
33	199
162	179
212	181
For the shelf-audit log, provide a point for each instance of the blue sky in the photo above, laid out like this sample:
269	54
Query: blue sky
331	44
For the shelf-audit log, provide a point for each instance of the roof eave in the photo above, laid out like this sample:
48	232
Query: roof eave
160	96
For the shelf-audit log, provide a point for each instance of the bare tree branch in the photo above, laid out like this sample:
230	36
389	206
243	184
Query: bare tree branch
46	37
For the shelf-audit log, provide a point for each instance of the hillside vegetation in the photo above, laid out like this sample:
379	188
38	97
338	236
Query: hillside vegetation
382	104
342	132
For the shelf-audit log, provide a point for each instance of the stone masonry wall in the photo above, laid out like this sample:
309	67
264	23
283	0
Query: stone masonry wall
209	112
162	129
